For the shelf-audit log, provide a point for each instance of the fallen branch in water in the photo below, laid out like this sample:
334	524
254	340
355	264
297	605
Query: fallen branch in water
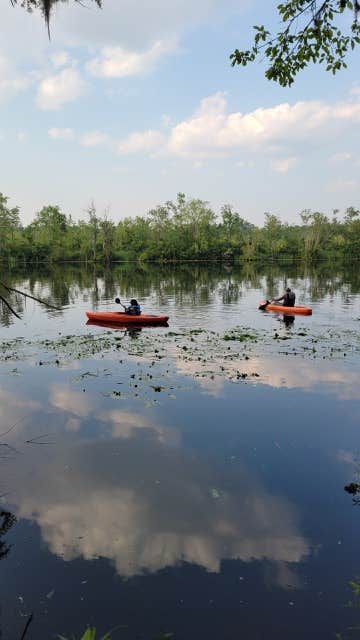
28	622
36	440
5	302
27	295
13	426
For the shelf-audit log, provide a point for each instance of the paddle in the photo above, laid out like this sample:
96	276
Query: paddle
263	306
118	301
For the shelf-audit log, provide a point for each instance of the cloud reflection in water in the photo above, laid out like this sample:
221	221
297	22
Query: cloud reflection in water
145	506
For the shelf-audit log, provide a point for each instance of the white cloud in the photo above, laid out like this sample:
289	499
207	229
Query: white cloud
73	425
62	397
136	25
15	409
348	457
343	184
341	158
117	62
141	141
310	376
166	120
211	130
60	59
132	527
58	89
277	132
125	424
11	81
20	136
61	134
138	142
94	139
282	165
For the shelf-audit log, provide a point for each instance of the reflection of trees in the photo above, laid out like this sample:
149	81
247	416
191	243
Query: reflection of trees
230	292
186	284
353	488
7	520
313	281
6	315
353	631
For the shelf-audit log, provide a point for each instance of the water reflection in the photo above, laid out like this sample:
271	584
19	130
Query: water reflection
135	496
7	520
145	505
148	486
288	320
353	488
277	372
187	284
307	375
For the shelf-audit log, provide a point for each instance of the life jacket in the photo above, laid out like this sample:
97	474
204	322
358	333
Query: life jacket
289	299
134	310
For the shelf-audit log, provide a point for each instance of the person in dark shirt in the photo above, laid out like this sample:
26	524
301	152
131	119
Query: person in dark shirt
288	298
134	308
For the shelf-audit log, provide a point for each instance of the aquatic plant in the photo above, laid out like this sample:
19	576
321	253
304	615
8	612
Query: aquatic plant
89	634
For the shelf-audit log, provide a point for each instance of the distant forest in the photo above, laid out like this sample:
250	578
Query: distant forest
184	229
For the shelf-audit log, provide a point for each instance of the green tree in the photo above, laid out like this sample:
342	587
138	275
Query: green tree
313	31
253	245
352	231
235	231
9	225
107	235
48	231
316	232
273	229
94	229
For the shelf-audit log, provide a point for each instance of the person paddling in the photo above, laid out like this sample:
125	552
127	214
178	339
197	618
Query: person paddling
133	309
288	298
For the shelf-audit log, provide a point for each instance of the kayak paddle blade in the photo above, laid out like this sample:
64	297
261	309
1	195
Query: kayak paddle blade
263	305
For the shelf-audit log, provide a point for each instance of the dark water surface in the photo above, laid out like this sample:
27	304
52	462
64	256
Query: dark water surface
176	481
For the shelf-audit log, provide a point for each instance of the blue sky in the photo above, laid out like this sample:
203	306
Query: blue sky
129	105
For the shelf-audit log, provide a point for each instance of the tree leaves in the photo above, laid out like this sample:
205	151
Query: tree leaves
311	34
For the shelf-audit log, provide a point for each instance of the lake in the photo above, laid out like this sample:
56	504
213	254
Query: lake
187	481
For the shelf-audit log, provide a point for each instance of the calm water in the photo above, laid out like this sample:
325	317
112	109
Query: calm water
172	481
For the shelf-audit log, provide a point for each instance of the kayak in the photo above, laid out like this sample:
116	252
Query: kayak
304	311
119	317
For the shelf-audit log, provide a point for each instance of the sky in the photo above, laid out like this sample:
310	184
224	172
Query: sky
129	105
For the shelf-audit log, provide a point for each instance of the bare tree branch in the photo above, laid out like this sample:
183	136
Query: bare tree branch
27	295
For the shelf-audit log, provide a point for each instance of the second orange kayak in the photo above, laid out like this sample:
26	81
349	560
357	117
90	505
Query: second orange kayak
304	311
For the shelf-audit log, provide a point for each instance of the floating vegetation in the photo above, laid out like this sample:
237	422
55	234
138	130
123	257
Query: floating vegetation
90	634
241	335
157	365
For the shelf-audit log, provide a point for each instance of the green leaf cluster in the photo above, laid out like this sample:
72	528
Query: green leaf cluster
89	634
313	33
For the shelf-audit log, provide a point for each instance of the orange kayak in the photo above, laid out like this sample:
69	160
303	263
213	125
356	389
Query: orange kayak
304	311
119	317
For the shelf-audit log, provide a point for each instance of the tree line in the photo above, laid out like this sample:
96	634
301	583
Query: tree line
183	229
